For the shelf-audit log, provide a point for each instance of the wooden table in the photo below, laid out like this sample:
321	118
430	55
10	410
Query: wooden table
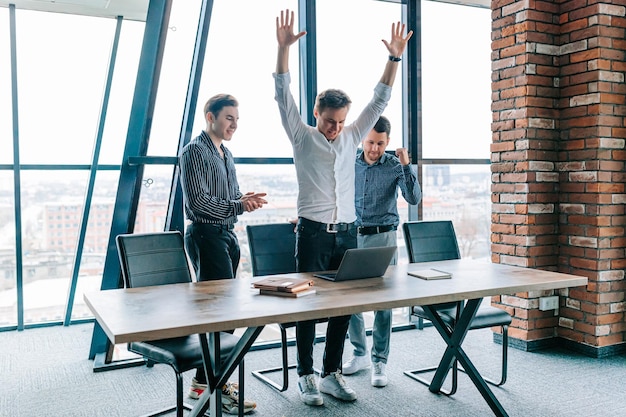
149	313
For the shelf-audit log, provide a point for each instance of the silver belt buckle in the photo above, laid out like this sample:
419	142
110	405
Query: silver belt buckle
329	228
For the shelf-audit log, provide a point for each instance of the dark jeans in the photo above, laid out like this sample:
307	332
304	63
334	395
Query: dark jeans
318	250
214	253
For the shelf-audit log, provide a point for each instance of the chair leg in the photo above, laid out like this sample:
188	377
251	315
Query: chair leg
413	374
241	389
179	395
505	357
504	365
284	367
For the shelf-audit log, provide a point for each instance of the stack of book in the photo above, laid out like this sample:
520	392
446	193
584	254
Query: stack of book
285	287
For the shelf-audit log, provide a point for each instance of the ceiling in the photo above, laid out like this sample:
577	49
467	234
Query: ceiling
129	9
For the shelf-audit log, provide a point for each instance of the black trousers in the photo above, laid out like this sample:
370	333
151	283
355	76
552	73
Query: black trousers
214	253
319	250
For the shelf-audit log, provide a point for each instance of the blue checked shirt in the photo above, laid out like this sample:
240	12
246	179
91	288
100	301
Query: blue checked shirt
376	189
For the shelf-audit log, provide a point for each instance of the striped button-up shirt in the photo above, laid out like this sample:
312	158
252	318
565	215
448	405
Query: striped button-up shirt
376	185
210	188
325	169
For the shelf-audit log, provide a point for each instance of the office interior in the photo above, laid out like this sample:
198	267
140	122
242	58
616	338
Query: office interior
512	111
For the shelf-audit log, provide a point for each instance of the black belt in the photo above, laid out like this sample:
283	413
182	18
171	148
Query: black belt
217	226
372	230
326	227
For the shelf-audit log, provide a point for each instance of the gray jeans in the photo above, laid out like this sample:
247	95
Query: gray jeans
381	330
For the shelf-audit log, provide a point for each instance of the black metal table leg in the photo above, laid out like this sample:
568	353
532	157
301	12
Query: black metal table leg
218	373
454	339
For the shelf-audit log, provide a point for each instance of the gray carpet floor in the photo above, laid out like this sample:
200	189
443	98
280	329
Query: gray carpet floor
45	372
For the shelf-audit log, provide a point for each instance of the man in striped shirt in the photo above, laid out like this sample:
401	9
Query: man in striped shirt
212	203
324	160
378	176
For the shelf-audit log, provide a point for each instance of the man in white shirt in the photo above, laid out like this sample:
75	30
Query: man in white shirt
324	159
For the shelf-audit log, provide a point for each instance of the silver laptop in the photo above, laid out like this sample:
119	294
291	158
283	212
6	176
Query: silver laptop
361	263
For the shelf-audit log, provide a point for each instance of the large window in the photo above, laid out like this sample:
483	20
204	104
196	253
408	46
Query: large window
456	85
456	88
61	79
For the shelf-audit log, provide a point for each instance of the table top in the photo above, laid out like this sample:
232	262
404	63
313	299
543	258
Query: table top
157	312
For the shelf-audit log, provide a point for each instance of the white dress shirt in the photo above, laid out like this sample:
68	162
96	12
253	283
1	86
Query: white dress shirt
325	169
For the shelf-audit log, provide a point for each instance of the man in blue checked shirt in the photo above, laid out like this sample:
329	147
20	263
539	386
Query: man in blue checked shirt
378	177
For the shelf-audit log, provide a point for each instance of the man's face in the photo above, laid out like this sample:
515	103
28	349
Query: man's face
224	125
330	122
374	146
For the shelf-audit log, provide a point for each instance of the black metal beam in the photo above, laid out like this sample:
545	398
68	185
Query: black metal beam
137	138
307	20
412	92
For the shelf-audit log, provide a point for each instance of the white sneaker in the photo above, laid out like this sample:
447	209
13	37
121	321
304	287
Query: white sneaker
355	364
335	385
379	377
309	394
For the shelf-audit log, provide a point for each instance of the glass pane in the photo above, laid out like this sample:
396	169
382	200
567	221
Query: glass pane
122	90
461	193
61	78
281	186
155	194
456	55
232	66
8	273
52	204
96	240
6	112
349	44
170	102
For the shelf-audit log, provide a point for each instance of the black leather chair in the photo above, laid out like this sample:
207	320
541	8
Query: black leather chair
159	259
436	241
273	251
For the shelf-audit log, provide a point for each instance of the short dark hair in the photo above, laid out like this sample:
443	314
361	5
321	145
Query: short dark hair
383	125
332	99
216	103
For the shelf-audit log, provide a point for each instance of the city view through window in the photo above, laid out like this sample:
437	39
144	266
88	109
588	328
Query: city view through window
52	213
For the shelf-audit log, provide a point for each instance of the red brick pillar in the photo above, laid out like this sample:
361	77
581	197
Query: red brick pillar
558	164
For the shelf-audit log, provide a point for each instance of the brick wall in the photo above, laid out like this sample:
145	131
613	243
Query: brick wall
558	172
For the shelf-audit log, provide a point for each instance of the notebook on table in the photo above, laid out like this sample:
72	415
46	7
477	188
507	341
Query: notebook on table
361	263
430	273
283	284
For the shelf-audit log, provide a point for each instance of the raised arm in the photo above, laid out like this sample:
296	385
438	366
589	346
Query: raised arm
285	37
396	49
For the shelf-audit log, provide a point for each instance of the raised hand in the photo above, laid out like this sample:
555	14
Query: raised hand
403	156
398	41
284	29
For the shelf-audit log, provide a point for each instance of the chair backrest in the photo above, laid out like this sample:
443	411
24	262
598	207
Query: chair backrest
153	259
272	248
430	241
